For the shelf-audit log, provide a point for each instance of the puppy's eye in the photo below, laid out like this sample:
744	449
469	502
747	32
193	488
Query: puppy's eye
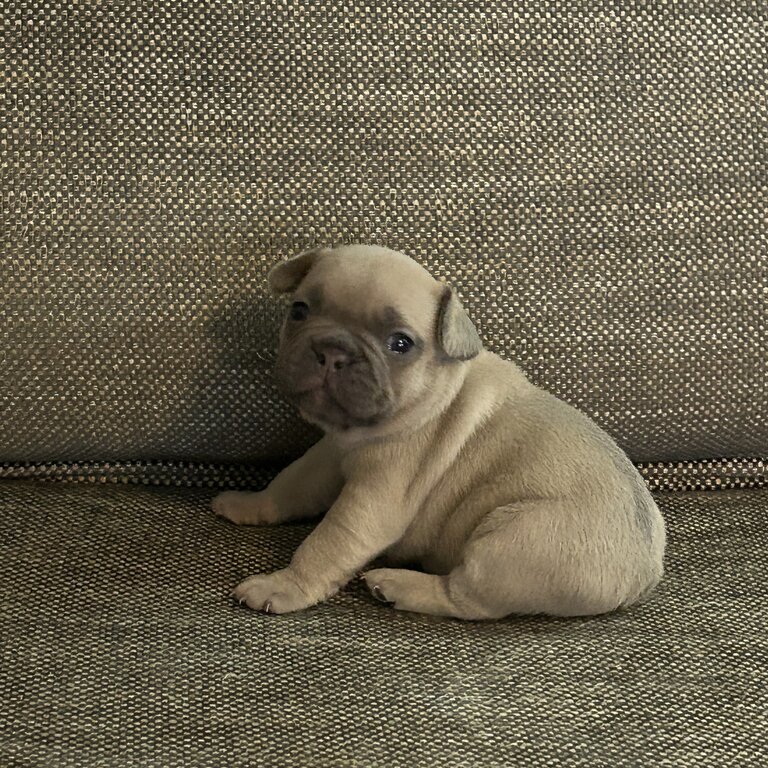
399	343
299	311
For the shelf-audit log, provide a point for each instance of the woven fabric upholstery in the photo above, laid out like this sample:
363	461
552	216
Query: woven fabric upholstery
591	176
120	647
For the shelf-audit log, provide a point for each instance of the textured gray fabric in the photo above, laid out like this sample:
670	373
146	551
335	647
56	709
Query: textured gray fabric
592	177
120	647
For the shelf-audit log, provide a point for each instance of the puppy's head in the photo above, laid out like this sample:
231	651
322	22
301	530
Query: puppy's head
370	336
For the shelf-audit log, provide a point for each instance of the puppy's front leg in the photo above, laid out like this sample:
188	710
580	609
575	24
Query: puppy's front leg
362	523
302	490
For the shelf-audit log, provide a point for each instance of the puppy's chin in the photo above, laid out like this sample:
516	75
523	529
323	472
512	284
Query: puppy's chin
318	406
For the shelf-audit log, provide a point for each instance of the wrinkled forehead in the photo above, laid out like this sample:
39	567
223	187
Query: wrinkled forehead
382	293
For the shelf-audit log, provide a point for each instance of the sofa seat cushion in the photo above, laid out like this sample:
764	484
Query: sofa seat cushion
121	647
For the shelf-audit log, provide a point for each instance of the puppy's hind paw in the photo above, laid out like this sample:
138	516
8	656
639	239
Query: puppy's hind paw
382	583
379	595
407	590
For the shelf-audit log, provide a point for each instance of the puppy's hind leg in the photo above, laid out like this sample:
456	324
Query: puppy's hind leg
456	594
467	592
409	590
511	565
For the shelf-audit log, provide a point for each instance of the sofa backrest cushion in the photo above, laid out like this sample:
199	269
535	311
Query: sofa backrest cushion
591	180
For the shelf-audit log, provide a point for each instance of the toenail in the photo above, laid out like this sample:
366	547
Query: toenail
379	595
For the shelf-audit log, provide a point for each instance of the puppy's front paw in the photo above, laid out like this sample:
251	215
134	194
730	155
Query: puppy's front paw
244	508
276	592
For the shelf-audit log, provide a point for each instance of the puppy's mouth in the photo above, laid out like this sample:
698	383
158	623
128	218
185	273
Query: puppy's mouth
322	405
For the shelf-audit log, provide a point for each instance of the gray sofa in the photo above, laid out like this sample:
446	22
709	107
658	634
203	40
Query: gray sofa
590	176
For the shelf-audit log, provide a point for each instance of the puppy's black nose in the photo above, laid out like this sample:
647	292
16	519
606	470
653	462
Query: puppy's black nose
331	356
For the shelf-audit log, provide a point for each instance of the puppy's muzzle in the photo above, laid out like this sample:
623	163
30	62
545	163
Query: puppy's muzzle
333	376
333	353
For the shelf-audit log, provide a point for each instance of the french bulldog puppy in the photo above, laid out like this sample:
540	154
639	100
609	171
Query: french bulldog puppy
486	494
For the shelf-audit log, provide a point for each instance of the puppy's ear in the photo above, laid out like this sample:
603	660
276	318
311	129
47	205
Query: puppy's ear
287	276
456	334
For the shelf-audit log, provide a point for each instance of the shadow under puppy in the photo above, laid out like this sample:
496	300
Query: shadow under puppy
439	454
